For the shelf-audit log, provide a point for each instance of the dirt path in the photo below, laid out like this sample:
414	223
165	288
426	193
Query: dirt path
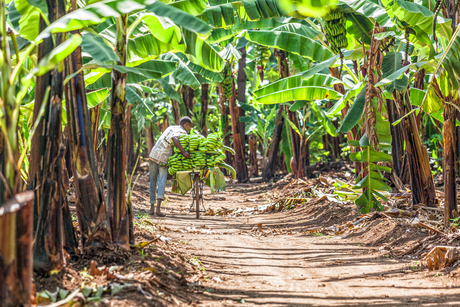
295	269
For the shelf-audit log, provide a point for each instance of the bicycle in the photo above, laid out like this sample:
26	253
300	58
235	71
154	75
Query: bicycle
197	193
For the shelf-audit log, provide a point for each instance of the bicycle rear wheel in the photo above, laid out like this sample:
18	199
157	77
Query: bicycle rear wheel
196	181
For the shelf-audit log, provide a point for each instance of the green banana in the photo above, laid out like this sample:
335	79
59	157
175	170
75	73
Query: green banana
335	30
227	167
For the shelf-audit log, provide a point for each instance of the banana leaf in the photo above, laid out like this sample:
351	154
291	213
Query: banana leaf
299	93
95	13
370	9
27	17
393	71
296	81
182	73
221	34
417	15
194	7
201	53
291	42
98	49
354	113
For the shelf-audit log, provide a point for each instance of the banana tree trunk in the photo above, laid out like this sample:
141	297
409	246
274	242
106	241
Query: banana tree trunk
150	140
224	111
38	145
188	95
397	142
306	156
116	163
48	152
2	168
240	163
252	140
271	166
130	156
16	239
422	185
449	163
102	153
165	123
204	107
241	94
95	115
48	248
68	151
176	111
283	67
90	205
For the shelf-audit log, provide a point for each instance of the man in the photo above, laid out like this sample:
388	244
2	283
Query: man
159	159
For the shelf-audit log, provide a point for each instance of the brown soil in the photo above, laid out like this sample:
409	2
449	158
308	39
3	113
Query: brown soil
317	253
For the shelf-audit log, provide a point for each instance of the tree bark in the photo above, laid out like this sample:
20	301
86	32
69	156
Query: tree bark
204	107
165	123
130	157
116	163
269	171
241	94
176	111
240	162
150	140
90	205
68	152
42	84
397	142
422	185
254	166
449	162
95	115
48	247
16	239
188	95
47	177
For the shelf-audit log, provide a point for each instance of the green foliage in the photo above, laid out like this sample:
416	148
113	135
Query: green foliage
291	42
371	180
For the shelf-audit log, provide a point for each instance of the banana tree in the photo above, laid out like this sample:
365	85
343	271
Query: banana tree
261	123
229	92
16	209
90	204
442	92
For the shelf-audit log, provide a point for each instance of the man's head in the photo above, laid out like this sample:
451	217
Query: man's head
186	123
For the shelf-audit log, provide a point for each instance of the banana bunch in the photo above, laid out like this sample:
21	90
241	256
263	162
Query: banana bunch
177	162
227	86
336	33
195	141
213	142
184	140
263	53
203	153
199	160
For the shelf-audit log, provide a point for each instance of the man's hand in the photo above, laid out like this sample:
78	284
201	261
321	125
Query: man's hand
182	150
186	155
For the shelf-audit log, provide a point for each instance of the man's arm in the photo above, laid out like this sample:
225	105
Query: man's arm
176	142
